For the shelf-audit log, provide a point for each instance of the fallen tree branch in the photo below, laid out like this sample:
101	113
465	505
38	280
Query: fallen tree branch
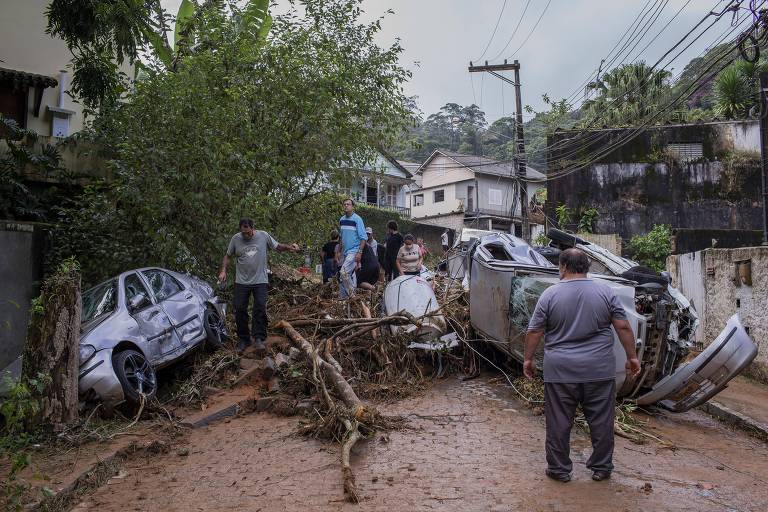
348	396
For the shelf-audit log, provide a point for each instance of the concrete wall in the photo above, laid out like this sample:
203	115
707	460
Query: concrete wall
21	256
454	222
641	183
486	183
449	204
709	278
611	242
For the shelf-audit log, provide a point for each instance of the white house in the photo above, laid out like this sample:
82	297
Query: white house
459	190
383	184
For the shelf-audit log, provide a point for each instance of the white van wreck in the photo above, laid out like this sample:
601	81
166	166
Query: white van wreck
507	276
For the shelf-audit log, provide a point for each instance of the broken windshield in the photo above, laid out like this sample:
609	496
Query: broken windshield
99	300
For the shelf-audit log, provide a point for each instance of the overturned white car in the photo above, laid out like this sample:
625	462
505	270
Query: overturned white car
507	276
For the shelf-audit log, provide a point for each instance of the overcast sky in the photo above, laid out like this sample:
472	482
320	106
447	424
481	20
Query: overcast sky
440	37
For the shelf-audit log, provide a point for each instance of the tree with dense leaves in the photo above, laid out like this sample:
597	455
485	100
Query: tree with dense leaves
626	95
102	34
240	129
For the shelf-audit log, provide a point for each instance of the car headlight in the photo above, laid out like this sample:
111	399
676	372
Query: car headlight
86	352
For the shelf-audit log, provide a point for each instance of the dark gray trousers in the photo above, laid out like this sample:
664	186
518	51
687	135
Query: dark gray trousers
598	401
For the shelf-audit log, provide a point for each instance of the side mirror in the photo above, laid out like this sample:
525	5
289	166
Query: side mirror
137	301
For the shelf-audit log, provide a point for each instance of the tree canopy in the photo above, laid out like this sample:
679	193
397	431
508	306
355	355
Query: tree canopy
241	128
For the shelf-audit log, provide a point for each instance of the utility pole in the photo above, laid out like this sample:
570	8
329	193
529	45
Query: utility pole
764	150
520	161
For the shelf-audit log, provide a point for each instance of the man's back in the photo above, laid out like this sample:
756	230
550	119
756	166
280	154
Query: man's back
576	315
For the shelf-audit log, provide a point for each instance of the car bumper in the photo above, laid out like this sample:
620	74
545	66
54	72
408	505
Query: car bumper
97	377
707	374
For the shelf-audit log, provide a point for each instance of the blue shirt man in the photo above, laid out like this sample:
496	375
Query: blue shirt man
353	238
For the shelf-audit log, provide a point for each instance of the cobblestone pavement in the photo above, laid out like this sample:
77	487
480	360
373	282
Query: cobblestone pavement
472	447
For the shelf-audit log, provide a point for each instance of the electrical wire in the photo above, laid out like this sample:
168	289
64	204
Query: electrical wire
548	148
532	30
514	32
495	28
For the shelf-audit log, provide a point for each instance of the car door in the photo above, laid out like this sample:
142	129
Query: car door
155	326
180	304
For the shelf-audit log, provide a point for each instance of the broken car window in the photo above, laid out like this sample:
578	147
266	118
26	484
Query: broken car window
99	300
162	283
133	287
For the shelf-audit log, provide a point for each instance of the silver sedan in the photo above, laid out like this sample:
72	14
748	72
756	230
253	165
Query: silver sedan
140	321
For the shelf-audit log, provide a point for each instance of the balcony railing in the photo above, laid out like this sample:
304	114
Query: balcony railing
488	211
402	210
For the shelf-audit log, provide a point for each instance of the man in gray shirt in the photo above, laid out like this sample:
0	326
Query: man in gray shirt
576	316
250	247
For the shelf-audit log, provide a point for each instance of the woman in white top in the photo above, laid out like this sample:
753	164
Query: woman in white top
409	258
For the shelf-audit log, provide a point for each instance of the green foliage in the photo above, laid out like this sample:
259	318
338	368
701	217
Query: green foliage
18	409
731	93
652	248
241	129
587	220
564	215
735	88
626	95
102	34
22	153
541	239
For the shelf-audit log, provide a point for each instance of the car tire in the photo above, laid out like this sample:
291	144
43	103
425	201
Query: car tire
215	329
136	376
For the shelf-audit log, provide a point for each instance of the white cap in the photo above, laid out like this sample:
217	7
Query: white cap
369	231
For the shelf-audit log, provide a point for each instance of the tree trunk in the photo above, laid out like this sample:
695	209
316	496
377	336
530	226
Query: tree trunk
51	354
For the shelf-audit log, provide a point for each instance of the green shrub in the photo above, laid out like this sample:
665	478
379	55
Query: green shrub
652	248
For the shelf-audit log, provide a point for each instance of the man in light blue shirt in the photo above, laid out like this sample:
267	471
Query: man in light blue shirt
353	238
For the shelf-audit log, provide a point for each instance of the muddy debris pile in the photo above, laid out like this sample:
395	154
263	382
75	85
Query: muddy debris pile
338	355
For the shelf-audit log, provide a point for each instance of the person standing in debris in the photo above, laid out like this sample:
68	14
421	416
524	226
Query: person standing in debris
250	246
353	239
328	257
378	250
409	258
444	241
422	247
394	242
575	317
368	271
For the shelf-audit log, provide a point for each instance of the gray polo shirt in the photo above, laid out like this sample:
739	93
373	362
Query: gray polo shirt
576	316
251	256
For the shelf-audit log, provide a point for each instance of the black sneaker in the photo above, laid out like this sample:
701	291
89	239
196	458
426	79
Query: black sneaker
242	345
259	345
560	477
599	476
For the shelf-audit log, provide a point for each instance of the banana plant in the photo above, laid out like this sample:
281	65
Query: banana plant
254	18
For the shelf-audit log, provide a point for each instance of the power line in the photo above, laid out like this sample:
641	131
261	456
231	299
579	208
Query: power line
662	30
495	28
514	32
532	30
654	116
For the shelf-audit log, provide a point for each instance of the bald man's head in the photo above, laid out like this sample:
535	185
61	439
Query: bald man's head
574	261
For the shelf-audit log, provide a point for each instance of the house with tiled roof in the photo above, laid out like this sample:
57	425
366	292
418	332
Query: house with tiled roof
459	190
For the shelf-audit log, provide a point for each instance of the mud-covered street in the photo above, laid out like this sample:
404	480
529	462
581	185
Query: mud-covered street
469	446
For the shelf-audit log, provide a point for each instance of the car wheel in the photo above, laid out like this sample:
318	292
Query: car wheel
215	329
136	376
